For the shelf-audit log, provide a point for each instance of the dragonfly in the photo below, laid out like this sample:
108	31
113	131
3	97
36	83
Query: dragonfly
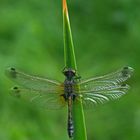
52	94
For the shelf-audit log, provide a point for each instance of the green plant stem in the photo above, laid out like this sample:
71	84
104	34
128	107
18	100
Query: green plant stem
69	55
70	62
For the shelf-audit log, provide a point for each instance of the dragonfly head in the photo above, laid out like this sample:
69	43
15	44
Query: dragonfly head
69	73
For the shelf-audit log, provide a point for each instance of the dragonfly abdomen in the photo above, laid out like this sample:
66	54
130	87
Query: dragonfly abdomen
70	127
70	118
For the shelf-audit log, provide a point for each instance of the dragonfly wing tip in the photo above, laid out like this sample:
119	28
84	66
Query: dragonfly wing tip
127	71
11	72
15	91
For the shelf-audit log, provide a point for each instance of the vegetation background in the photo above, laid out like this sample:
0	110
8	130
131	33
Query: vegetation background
106	36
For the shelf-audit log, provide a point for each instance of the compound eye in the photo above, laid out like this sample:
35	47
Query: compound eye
65	72
69	72
73	72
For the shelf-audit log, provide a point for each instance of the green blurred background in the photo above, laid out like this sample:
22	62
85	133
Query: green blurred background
106	36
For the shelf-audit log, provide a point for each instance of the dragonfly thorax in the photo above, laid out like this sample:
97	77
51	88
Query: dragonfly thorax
69	89
68	86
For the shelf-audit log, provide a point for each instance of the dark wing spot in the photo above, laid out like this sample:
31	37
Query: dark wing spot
16	92
12	72
126	68
123	85
13	69
127	71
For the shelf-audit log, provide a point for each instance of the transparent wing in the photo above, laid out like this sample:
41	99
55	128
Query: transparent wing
104	88
39	98
97	83
100	97
33	82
